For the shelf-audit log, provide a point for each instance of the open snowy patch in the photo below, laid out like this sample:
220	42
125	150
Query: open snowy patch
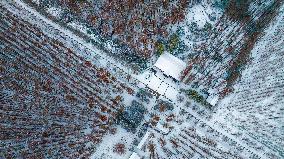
36	1
56	12
202	13
77	26
172	93
107	148
198	15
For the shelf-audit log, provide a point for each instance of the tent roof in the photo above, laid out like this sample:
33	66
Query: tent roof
170	65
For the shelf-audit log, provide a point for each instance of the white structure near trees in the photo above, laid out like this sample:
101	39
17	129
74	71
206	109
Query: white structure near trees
170	65
163	76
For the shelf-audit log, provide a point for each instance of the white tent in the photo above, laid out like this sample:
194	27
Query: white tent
170	65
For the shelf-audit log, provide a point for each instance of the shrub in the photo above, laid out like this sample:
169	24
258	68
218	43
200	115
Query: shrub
144	95
194	95
173	43
238	10
132	116
160	48
119	148
163	106
222	4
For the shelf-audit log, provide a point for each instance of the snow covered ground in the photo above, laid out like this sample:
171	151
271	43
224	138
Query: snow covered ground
256	107
160	83
54	11
200	14
106	147
243	125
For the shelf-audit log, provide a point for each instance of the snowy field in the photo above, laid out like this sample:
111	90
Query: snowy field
92	88
257	105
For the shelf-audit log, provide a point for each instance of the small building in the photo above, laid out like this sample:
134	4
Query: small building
171	66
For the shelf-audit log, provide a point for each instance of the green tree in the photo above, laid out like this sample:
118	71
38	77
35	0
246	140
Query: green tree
160	48
173	43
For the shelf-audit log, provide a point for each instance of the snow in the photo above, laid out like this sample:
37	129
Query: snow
36	1
54	11
212	100
170	65
143	140
105	148
154	83
198	15
134	156
56	31
165	86
257	100
77	26
172	93
161	128
127	99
